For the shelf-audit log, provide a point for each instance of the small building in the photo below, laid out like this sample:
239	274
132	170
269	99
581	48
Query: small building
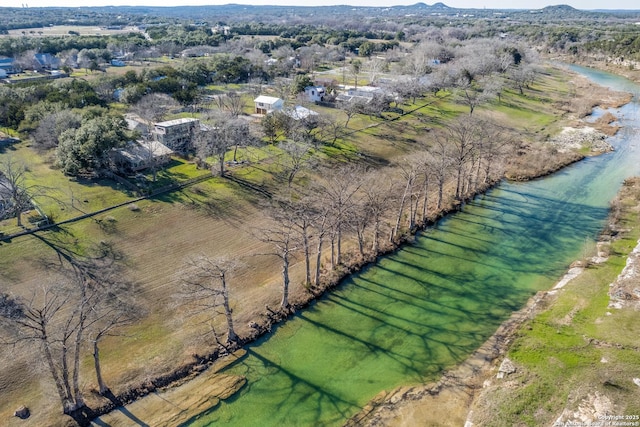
268	104
141	154
315	93
177	134
364	91
9	66
47	61
299	112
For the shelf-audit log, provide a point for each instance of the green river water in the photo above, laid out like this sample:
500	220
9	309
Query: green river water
431	304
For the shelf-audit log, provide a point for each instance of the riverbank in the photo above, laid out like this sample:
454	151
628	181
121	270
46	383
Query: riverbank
488	385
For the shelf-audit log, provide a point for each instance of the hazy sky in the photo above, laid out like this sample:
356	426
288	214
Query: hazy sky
476	4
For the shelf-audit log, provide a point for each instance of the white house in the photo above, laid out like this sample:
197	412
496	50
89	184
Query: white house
315	93
267	104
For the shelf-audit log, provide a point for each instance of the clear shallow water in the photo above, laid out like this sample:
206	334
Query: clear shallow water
431	304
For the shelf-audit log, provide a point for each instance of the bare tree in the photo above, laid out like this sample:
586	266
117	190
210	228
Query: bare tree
154	106
205	287
375	67
16	194
377	192
409	174
441	162
460	136
51	318
231	102
282	237
521	76
295	157
337	192
224	133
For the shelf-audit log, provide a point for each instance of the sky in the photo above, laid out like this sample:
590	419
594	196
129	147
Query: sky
475	4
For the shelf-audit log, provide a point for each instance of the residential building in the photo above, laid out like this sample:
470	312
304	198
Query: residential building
177	134
268	104
46	61
299	112
141	154
9	65
315	93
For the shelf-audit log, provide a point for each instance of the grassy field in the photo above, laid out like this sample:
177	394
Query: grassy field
215	217
578	353
63	30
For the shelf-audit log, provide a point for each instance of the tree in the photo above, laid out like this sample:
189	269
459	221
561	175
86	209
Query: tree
299	83
337	193
281	236
301	213
377	196
15	194
521	76
461	137
224	133
88	148
206	289
51	319
51	126
231	102
154	106
295	157
441	161
355	67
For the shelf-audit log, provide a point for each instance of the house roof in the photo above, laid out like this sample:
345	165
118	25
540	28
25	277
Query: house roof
299	112
140	151
174	122
263	99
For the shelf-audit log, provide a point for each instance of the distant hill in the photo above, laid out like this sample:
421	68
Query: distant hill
234	13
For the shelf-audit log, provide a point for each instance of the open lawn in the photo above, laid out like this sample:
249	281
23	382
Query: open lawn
63	30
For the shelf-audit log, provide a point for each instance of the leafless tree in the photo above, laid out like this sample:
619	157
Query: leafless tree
154	106
16	193
52	319
231	102
337	192
460	136
329	130
521	76
377	191
441	163
375	67
224	133
205	287
294	158
409	174
281	235
52	125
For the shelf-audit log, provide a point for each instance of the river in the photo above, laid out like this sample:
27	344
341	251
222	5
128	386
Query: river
431	304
